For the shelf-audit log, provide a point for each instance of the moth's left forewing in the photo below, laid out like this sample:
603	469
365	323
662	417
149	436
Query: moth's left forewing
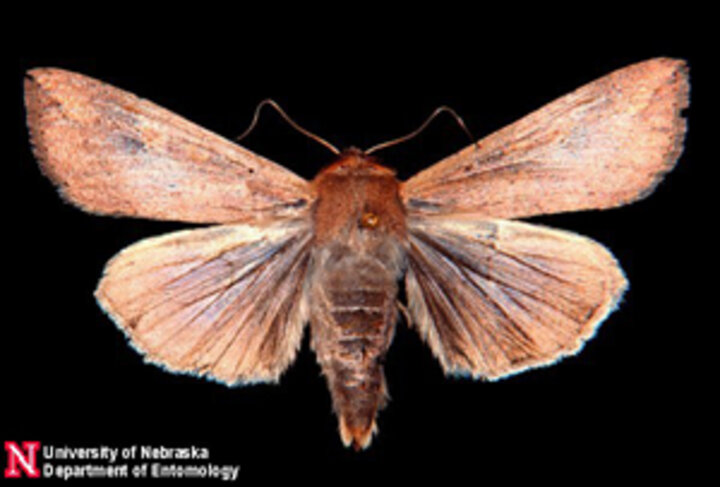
495	297
227	302
606	144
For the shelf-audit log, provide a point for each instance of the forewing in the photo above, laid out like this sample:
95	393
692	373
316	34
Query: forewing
110	152
604	145
495	297
227	302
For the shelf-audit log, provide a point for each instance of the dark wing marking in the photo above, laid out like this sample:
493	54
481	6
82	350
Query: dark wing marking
113	153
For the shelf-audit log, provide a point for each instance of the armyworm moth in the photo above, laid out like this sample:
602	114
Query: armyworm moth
491	296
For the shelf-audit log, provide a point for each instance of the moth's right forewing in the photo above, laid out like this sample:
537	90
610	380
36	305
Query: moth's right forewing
495	297
110	152
227	302
604	145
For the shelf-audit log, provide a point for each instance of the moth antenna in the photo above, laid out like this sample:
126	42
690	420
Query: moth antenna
438	111
290	121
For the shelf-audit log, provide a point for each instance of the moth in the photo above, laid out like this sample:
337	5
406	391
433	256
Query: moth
491	296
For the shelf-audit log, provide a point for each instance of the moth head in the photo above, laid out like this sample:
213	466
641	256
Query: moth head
355	162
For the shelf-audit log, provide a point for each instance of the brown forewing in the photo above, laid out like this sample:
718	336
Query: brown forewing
111	152
494	297
227	302
603	145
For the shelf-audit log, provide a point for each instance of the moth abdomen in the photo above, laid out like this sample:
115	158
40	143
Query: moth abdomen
352	326
362	336
358	391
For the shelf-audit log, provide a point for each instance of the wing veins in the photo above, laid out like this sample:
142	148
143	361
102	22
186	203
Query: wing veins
220	293
451	256
441	311
492	303
239	328
473	338
437	243
504	284
267	309
212	289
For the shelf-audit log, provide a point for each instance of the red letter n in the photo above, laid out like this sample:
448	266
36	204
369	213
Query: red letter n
26	460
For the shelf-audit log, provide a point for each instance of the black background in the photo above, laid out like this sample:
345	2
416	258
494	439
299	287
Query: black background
624	403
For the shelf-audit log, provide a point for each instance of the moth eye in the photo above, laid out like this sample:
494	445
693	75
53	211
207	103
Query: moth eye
369	220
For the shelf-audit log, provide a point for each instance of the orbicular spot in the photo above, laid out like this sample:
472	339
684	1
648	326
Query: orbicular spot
129	144
369	220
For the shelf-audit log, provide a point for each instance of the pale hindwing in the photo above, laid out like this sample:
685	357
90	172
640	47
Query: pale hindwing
495	297
110	152
603	145
227	302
